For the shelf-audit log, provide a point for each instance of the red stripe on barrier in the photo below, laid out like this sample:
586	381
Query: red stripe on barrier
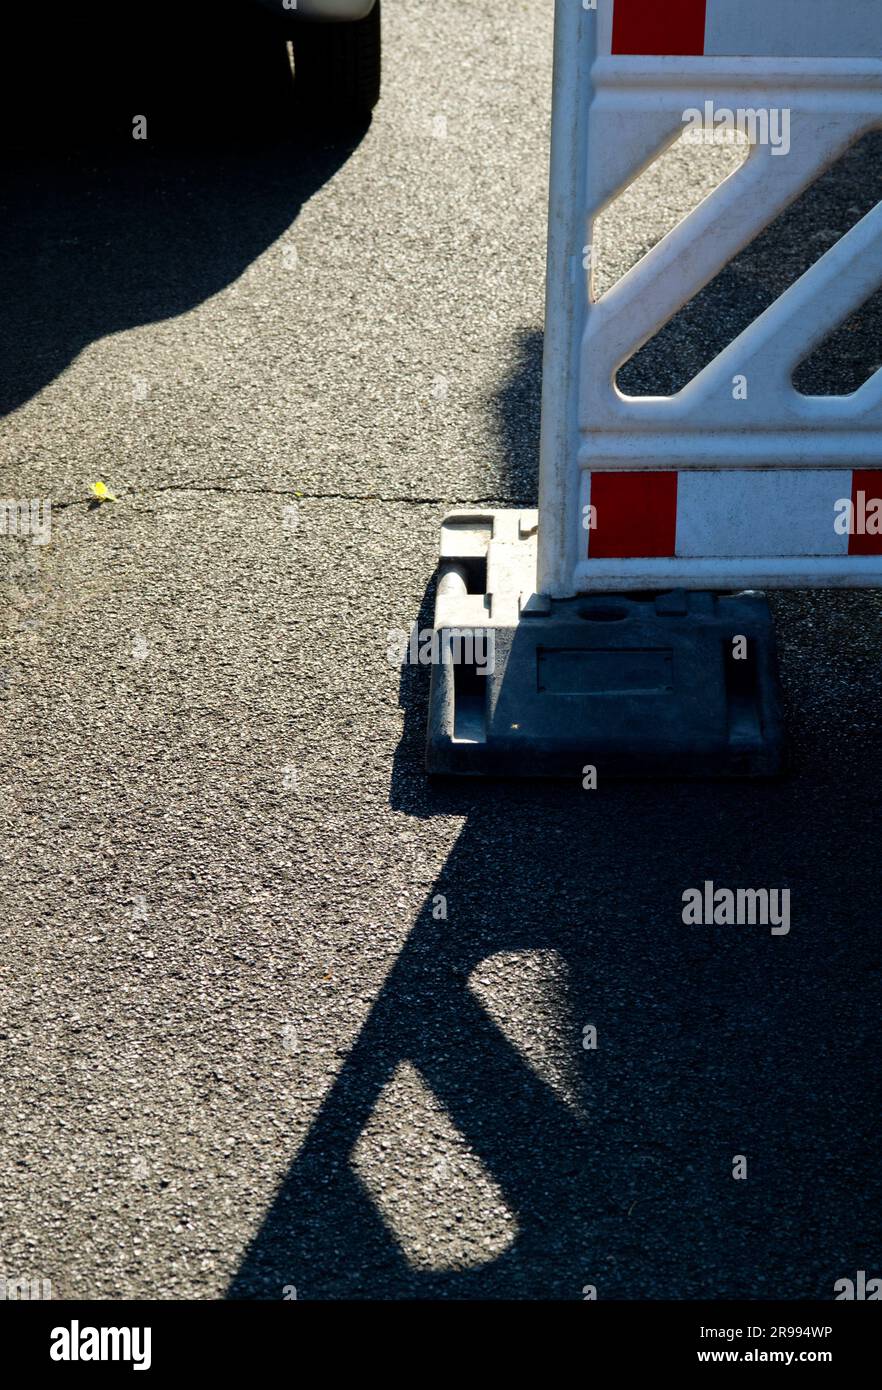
866	500
635	515
659	28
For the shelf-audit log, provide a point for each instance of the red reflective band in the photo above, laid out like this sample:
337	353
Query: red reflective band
659	28
635	515
866	493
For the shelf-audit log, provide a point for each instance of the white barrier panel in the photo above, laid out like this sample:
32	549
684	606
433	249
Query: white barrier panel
738	478
741	28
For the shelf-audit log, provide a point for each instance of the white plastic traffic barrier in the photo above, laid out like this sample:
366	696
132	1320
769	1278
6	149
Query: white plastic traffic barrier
738	480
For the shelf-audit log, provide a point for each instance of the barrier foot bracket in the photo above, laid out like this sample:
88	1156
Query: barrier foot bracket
679	684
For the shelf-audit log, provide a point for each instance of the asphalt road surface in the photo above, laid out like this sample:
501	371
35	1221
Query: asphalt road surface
244	1051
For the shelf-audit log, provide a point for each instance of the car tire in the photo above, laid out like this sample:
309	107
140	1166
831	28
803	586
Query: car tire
337	69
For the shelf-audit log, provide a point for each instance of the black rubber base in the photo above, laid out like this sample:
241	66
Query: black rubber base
677	685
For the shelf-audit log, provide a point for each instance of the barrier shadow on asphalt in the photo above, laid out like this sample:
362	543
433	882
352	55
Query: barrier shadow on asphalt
101	232
713	1041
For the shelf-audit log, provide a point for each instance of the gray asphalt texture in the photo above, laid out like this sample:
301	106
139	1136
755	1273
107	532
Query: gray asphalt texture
242	1049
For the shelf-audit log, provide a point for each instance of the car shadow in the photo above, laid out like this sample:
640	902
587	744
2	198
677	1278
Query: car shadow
101	231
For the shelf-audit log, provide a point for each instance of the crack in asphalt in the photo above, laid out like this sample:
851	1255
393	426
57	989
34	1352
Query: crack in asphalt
297	497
